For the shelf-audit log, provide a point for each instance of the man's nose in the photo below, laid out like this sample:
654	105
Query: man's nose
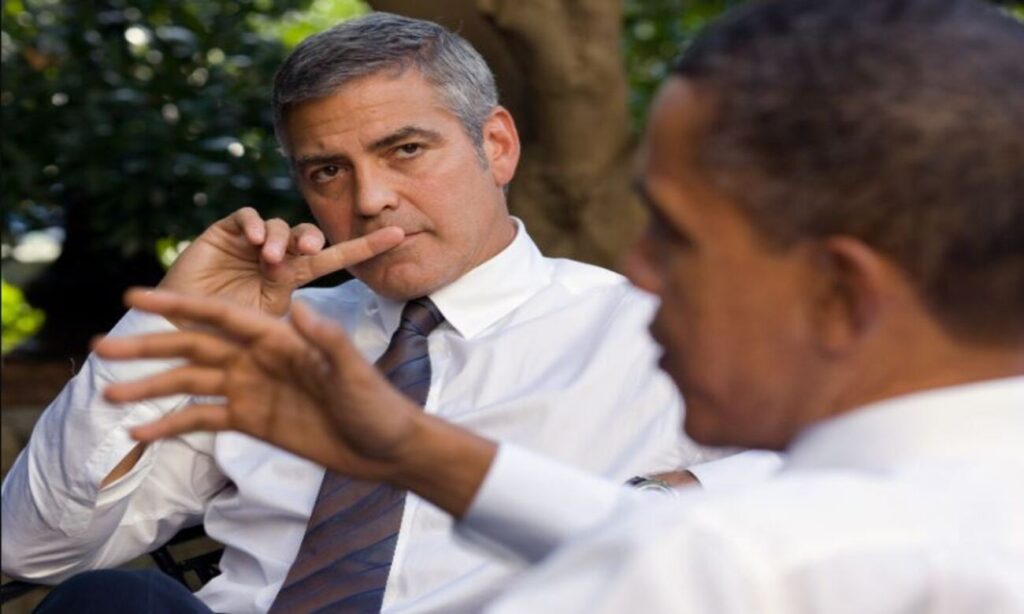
374	192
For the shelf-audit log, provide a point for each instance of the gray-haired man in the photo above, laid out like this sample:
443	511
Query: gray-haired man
401	151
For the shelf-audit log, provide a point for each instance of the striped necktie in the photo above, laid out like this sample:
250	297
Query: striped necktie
345	556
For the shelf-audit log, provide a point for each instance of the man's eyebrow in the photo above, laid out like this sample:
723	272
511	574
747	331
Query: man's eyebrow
404	133
384	142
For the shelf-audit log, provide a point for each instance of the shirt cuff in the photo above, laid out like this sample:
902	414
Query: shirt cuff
749	467
529	505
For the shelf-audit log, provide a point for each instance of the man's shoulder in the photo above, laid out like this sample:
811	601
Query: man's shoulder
582	278
583	275
588	296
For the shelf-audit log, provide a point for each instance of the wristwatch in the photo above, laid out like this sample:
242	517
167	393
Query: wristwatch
654	485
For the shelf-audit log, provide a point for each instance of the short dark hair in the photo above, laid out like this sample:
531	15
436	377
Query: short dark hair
900	122
381	42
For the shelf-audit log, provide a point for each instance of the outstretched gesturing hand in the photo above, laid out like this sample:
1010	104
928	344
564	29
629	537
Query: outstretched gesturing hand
300	385
259	263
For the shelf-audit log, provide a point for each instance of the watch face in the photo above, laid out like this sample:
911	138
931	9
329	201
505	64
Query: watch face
651	484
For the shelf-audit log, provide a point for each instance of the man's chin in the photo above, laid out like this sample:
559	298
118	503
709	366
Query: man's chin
395	281
706	427
717	431
703	431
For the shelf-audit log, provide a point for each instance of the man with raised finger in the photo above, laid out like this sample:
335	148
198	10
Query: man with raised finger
837	238
399	147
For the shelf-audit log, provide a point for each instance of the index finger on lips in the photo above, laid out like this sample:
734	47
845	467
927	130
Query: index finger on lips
227	318
347	253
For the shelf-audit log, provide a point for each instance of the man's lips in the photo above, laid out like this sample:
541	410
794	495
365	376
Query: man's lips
409	237
408	231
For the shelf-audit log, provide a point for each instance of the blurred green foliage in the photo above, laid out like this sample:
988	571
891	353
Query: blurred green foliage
292	27
152	114
654	32
1014	7
18	317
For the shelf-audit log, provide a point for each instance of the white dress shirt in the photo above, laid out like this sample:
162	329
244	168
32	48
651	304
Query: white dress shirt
914	504
550	354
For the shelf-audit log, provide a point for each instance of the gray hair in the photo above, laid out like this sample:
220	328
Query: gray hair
323	63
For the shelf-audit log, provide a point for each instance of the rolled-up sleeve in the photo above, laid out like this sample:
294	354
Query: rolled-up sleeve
56	519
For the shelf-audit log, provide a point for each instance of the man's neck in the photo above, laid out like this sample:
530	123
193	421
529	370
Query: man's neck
936	366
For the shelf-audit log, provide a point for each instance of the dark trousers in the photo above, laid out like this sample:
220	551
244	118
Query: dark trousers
119	590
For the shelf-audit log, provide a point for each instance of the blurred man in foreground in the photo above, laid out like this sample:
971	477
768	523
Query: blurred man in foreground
837	237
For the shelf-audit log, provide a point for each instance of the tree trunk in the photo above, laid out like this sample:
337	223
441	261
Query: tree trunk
559	69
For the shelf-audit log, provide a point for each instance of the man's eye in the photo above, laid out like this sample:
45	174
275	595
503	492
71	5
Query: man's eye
325	173
408	150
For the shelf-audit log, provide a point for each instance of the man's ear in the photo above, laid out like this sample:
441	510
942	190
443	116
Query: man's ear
501	145
853	293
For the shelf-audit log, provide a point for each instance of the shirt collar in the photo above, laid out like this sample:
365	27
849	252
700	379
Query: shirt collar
972	421
487	293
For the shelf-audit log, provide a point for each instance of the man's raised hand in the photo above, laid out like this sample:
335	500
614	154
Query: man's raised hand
302	386
258	263
329	405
